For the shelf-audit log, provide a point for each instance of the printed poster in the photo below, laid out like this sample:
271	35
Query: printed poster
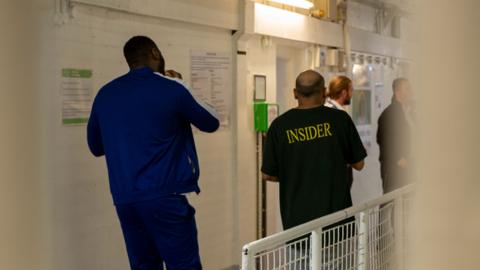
77	97
362	102
211	81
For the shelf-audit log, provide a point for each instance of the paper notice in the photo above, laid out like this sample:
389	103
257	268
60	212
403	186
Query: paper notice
76	90
211	81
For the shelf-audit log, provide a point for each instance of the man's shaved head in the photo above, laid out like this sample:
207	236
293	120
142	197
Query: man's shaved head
309	82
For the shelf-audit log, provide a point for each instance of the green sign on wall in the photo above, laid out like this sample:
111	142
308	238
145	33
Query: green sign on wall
264	114
76	89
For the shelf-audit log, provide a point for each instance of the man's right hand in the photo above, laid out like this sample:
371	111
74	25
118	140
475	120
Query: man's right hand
359	165
267	177
173	74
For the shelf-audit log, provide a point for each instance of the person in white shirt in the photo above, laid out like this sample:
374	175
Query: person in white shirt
340	92
339	95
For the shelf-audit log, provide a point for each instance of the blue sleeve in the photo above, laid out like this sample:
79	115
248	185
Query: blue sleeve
201	115
94	137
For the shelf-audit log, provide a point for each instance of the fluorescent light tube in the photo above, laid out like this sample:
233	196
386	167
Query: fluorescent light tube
305	4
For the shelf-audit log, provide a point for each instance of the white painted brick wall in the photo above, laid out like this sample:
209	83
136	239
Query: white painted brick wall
86	233
84	228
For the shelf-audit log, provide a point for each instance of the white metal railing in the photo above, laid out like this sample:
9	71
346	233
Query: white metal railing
368	236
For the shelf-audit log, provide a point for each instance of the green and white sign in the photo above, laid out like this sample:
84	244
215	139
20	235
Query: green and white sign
77	95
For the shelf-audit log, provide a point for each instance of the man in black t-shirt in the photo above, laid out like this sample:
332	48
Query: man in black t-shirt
307	151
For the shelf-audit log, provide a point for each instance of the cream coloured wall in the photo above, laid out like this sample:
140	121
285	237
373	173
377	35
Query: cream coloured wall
84	227
21	219
67	219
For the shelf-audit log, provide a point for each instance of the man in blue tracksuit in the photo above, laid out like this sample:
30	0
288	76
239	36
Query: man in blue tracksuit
141	123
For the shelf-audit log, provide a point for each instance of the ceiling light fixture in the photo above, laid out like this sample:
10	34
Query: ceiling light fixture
305	4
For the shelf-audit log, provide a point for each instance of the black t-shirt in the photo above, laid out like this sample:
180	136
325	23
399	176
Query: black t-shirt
308	150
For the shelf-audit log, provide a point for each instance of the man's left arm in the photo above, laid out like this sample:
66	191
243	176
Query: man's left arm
356	152
270	159
201	115
195	111
94	136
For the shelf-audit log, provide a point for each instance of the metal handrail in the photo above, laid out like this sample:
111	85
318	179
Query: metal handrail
250	249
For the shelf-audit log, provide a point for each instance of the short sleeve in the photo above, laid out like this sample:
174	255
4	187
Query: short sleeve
270	157
355	149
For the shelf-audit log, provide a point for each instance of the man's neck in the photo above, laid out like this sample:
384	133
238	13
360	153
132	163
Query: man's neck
143	65
310	103
340	102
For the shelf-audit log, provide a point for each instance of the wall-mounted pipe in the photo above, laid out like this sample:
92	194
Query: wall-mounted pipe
62	11
239	64
343	18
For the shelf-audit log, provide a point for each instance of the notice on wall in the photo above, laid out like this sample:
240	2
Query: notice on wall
362	103
362	115
76	89
379	97
361	107
211	81
366	136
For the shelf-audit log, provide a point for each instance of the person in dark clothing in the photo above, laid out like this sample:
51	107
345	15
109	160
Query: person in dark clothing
141	122
394	137
307	150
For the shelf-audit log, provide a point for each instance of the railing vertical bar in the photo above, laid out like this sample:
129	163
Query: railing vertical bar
323	249
398	227
316	241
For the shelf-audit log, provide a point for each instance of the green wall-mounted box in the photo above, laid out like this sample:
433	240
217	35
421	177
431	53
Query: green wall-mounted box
264	114
260	112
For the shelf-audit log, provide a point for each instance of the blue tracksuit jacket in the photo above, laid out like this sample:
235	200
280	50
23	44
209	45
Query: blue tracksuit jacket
141	123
